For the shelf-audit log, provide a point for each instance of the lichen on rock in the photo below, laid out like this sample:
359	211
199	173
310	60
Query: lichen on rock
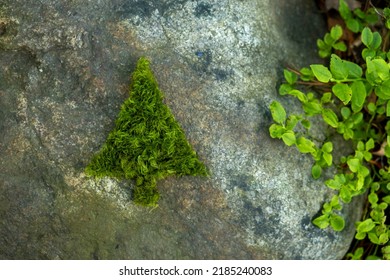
147	143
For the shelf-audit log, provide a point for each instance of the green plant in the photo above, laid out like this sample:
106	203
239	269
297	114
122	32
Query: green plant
356	20
147	144
331	41
352	97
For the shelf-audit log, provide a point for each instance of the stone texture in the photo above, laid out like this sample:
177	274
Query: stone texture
64	72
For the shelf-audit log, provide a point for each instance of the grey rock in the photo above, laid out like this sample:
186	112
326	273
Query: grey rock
64	72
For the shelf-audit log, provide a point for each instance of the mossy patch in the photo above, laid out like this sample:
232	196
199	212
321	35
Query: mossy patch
147	143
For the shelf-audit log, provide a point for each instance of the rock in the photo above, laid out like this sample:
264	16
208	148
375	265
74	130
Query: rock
65	71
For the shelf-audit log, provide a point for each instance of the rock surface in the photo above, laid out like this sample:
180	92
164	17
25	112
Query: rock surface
64	72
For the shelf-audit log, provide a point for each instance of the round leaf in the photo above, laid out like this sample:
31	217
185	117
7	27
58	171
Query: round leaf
322	221
336	32
327	147
360	235
340	46
343	92
337	222
289	138
345	194
321	72
338	68
305	145
365	226
354	70
373	198
353	164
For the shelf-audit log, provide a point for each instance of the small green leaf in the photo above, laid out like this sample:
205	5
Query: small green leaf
316	171
376	42
292	121
371	108
378	67
338	68
326	98
328	158
289	138
328	39
345	194
321	72
366	53
370	144
376	214
358	95
321	44
334	202
330	117
276	130
344	10
373	237
337	222
299	94
357	255
336	32
336	183
340	46
354	70
327	208
306	123
364	171
373	198
278	112
383	91
367	37
312	108
353	164
360	146
290	77
327	147
360	235
383	238
322	221
285	89
343	92
324	53
345	113
306	74
353	25
382	205
386	250
305	145
386	199
365	226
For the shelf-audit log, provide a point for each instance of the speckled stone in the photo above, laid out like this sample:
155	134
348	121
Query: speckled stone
64	72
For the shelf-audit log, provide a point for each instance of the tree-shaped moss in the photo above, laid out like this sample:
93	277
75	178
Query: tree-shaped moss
147	143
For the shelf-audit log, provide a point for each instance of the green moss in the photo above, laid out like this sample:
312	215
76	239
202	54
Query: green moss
147	143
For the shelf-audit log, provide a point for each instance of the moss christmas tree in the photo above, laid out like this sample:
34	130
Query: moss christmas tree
147	143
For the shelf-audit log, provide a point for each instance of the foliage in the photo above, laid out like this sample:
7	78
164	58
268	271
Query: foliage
351	95
147	143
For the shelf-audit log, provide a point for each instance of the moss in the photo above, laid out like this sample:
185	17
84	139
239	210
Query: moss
147	143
